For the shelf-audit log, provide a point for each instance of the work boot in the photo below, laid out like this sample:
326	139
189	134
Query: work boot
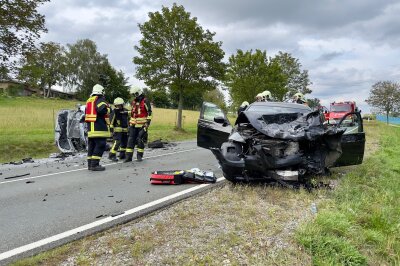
112	157
122	155
139	157
96	166
128	157
89	164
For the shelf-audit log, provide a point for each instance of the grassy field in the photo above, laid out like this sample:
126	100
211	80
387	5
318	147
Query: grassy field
357	223
27	126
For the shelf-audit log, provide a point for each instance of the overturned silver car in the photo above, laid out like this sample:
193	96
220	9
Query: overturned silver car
280	141
71	131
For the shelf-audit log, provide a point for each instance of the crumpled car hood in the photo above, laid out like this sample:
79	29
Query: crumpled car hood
289	126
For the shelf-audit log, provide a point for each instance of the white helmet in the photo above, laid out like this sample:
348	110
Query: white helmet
259	97
244	104
266	96
118	101
135	90
98	90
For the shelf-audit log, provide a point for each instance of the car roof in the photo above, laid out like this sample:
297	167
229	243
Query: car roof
281	104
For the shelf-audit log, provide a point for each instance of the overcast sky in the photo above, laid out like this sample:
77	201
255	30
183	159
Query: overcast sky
345	45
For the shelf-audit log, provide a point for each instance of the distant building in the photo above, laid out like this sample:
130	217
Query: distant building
17	88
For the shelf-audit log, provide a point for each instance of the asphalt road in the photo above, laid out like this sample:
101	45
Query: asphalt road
59	195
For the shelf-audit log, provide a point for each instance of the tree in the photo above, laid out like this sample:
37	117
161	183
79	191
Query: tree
250	73
44	66
217	97
85	65
385	96
114	83
297	79
20	26
160	97
314	103
176	52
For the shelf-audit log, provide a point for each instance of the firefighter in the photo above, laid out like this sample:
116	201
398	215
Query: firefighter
119	127
141	115
243	107
299	98
266	96
97	119
258	97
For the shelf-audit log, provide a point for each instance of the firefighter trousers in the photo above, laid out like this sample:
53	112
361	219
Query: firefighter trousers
120	142
96	148
137	136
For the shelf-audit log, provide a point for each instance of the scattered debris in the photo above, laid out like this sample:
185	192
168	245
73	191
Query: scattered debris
118	201
159	144
44	200
111	196
100	216
16	163
46	195
29	182
117	214
16	176
27	160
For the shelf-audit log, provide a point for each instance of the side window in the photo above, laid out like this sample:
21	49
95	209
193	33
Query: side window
352	122
210	111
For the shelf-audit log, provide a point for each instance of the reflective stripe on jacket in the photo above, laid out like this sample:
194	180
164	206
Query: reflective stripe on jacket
99	127
141	112
119	120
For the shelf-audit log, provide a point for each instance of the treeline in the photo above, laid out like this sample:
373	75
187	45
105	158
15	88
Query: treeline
179	61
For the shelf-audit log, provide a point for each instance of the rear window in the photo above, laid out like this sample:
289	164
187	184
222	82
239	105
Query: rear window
276	109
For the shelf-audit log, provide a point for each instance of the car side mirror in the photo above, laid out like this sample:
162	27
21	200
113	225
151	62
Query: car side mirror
219	120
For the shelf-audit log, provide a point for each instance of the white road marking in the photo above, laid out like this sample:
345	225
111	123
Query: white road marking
45	241
81	169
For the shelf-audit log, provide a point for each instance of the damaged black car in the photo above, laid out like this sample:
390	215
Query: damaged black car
279	141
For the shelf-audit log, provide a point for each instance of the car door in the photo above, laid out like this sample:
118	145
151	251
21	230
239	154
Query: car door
353	140
213	127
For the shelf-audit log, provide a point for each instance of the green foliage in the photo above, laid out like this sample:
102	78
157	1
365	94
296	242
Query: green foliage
44	67
359	224
20	26
160	98
15	90
85	65
297	79
385	96
114	83
176	52
250	73
216	96
314	103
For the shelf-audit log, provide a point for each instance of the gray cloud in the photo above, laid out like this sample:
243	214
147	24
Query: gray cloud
345	45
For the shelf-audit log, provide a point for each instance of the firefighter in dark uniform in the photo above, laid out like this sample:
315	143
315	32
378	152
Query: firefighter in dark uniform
141	115
97	119
119	127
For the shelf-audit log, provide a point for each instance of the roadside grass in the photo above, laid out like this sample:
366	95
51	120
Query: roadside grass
27	126
358	223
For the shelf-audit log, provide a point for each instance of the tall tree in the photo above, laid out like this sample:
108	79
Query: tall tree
85	66
385	96
250	73
44	67
114	83
20	26
176	52
297	79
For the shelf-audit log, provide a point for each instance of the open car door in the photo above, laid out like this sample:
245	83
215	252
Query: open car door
213	127
353	140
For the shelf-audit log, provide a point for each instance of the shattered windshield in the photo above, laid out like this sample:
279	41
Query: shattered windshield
277	109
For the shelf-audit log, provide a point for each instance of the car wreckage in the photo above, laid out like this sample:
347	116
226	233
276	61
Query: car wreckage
71	131
279	141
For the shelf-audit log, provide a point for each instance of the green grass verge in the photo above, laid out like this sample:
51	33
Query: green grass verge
27	126
359	223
